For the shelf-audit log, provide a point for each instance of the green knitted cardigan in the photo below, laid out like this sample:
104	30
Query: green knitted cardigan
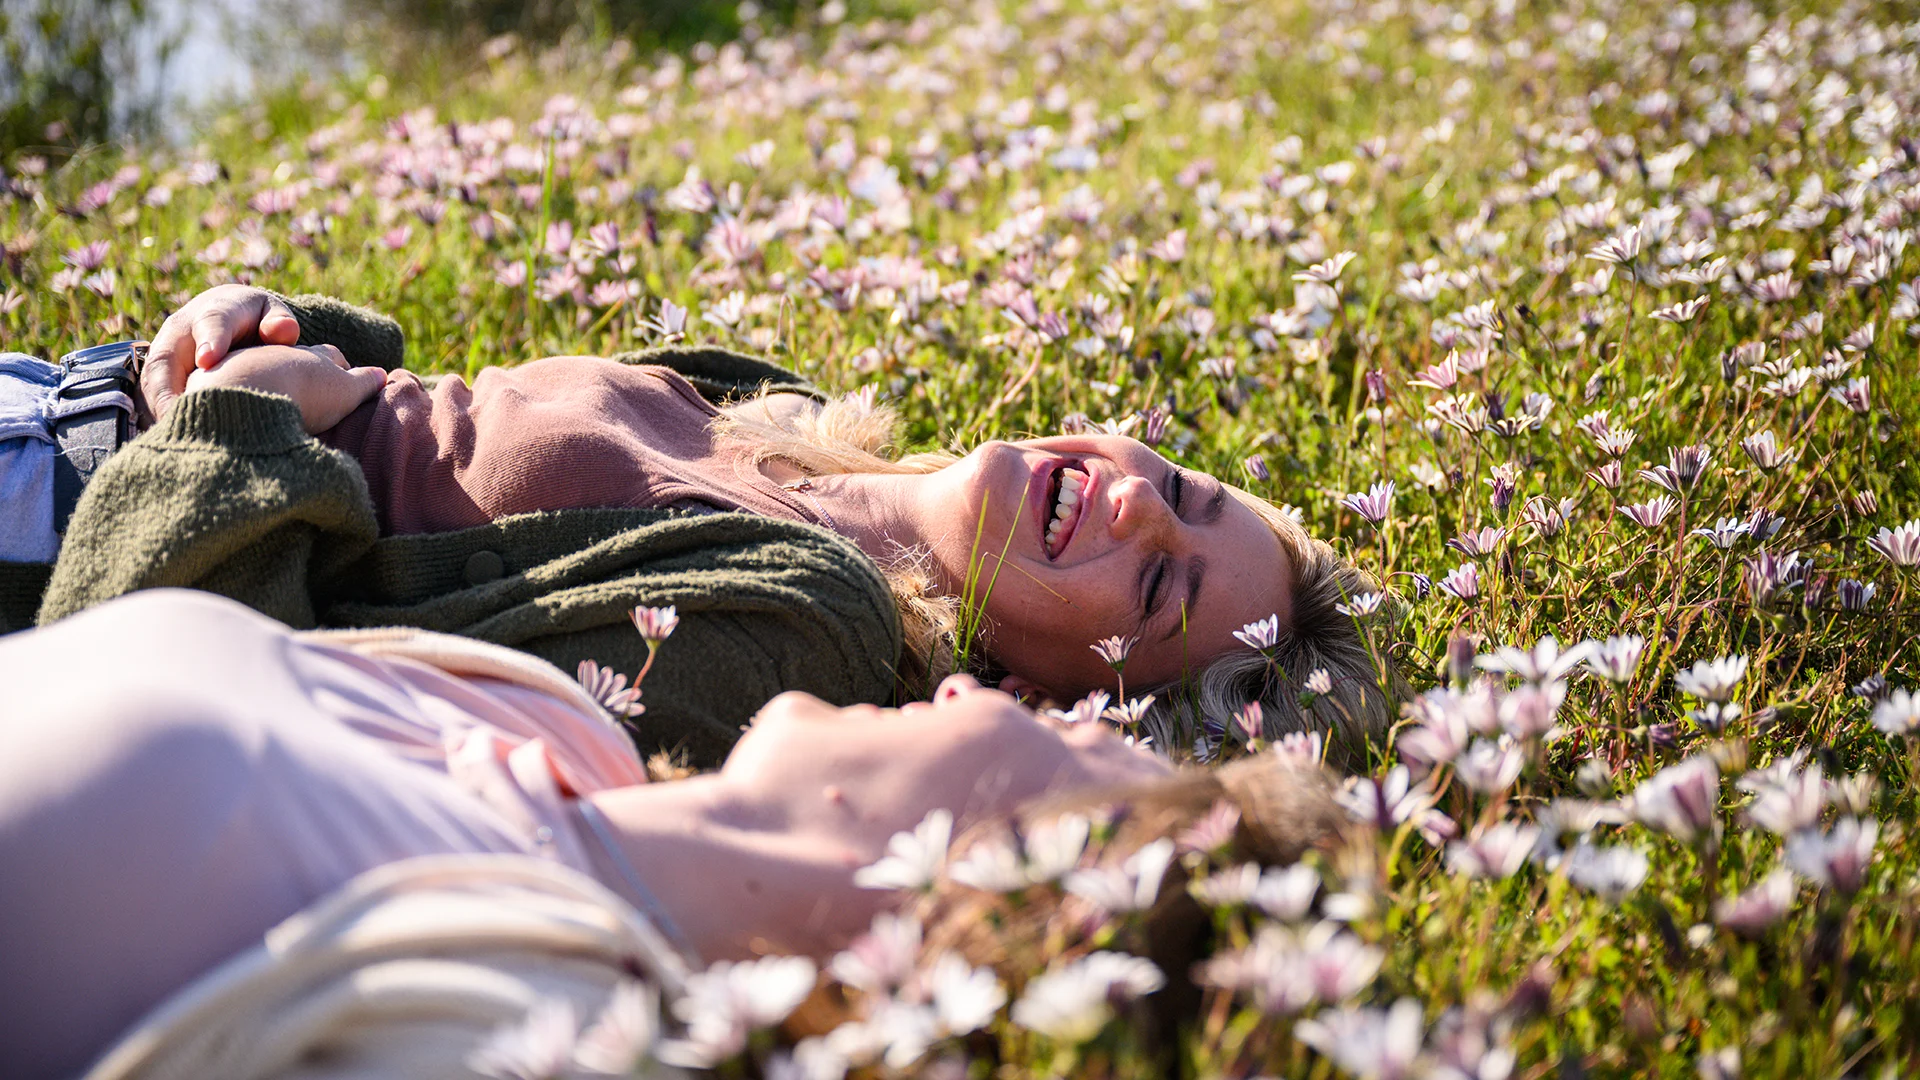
228	494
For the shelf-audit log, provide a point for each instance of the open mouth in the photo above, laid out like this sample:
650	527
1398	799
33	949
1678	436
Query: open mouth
1065	501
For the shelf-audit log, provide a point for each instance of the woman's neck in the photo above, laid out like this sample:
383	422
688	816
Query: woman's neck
726	875
882	513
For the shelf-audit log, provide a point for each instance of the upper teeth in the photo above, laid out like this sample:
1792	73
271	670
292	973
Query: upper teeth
1071	485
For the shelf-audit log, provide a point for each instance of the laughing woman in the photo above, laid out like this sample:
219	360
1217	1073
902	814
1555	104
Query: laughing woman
537	505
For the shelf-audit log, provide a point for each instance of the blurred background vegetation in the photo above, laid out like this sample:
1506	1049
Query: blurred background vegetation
74	73
65	68
654	22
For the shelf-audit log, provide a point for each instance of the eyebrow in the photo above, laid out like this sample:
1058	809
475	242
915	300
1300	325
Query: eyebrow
1215	505
1196	573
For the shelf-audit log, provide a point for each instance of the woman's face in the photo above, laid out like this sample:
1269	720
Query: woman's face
862	773
1145	549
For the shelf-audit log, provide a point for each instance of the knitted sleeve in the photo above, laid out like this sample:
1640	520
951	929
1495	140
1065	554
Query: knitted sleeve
227	494
368	338
765	605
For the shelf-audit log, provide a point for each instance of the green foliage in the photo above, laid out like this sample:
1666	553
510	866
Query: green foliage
1472	157
66	67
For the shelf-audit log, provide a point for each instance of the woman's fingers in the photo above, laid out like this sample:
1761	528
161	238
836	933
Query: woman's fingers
169	362
213	334
337	391
279	327
240	316
200	335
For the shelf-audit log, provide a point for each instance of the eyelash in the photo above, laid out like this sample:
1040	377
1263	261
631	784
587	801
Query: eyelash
1176	488
1154	588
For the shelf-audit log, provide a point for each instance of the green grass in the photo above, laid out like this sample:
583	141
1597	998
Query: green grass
1489	144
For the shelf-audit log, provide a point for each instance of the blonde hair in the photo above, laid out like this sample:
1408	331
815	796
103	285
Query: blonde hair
854	434
1283	808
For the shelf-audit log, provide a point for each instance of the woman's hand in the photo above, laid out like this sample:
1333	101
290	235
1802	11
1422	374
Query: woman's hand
199	336
317	379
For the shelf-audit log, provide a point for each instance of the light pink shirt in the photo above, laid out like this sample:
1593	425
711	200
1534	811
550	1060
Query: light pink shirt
178	774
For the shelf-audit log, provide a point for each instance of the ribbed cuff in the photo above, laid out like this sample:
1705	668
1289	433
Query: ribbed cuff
231	418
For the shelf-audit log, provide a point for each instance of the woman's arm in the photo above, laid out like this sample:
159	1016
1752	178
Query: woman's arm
207	328
765	605
227	493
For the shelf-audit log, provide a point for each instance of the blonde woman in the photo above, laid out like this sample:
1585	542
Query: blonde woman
480	500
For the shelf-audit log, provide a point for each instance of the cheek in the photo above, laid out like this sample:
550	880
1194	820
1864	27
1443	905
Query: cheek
997	777
1088	601
1052	645
1038	644
955	557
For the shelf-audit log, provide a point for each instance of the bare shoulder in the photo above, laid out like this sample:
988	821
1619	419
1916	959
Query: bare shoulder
773	408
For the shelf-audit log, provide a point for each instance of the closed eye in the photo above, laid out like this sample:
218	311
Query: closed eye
1156	587
1179	487
1162	566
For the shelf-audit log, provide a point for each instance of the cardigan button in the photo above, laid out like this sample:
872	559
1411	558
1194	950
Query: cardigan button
484	566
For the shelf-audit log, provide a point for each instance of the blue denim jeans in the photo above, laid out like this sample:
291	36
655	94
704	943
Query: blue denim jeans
28	387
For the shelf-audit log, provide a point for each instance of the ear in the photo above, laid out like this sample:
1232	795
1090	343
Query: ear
1026	690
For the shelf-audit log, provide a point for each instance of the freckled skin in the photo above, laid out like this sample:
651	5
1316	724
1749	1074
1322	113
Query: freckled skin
1045	612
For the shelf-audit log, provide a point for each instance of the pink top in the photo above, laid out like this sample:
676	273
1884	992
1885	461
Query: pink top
178	774
563	433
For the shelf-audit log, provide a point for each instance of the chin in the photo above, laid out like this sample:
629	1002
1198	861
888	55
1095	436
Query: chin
1052	690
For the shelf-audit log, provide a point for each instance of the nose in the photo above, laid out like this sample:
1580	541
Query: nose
955	685
1138	508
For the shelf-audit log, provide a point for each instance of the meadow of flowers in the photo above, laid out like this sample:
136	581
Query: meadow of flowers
1588	328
